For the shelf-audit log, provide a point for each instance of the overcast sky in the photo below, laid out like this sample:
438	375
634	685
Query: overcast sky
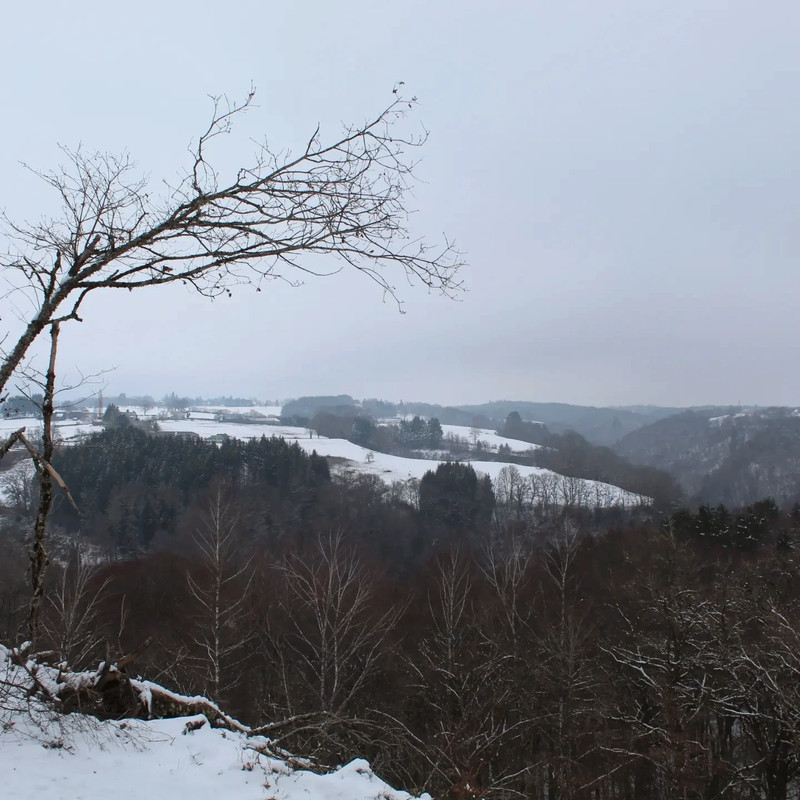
623	178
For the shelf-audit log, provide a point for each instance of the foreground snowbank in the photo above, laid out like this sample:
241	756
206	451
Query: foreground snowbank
46	754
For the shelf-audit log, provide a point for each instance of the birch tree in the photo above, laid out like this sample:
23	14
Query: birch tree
220	590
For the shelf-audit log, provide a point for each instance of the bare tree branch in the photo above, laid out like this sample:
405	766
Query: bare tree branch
334	205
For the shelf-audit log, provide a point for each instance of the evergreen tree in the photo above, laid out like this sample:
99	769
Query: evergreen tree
454	496
362	431
434	433
114	418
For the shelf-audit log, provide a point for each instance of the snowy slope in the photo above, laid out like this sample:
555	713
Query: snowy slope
44	754
396	468
489	438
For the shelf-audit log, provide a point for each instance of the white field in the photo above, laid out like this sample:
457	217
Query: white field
199	411
491	439
65	430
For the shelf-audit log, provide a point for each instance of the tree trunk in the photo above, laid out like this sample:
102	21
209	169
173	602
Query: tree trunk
38	554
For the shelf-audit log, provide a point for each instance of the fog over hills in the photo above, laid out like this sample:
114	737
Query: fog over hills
734	458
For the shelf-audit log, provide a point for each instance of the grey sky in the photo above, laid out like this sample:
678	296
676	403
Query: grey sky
622	176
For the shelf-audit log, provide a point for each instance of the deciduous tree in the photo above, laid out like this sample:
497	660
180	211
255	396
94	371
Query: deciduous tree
341	199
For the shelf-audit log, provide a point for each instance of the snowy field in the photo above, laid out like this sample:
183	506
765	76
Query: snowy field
153	411
48	756
236	430
65	430
490	439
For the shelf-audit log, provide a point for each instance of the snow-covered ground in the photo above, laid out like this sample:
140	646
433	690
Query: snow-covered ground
236	430
65	430
13	478
74	757
154	411
489	438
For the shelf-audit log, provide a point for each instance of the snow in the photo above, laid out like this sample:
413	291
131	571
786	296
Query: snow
20	470
491	439
65	430
206	428
44	754
390	468
592	494
204	415
10	424
70	430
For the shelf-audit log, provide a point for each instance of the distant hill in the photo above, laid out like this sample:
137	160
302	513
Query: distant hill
604	425
449	415
724	455
306	407
715	454
600	425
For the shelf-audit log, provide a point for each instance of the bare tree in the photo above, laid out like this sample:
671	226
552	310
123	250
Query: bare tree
72	614
20	489
544	491
506	571
513	494
46	477
672	676
568	673
220	591
466	686
336	639
343	199
571	492
761	698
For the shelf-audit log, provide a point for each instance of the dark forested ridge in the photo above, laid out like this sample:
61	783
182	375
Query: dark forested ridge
132	486
708	455
307	407
569	454
600	425
724	456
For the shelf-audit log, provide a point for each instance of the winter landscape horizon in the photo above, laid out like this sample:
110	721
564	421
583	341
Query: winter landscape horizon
270	527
